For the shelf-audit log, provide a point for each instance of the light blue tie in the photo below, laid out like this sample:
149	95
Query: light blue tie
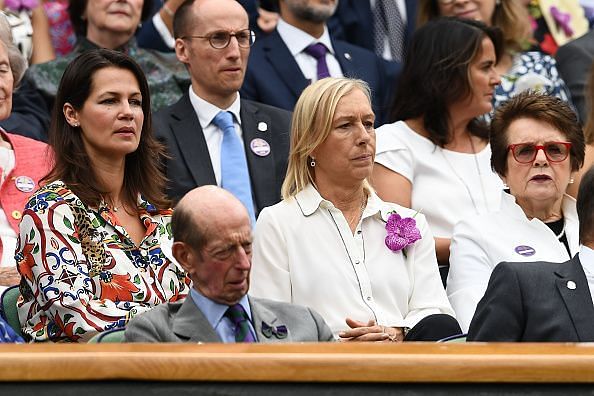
234	169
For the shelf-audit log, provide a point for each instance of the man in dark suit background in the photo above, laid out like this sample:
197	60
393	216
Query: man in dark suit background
212	39
213	243
282	64
574	62
543	301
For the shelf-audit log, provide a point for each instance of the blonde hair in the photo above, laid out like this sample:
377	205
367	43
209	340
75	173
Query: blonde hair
311	125
509	15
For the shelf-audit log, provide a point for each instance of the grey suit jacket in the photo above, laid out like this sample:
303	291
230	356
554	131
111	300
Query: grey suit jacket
535	302
184	322
574	62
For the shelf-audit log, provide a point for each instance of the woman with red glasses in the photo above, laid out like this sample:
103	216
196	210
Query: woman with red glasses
537	147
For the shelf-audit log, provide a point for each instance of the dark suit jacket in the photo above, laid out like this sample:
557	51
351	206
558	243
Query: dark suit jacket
185	322
353	22
274	77
574	62
178	127
535	302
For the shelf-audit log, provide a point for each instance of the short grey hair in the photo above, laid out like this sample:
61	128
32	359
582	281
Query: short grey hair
18	63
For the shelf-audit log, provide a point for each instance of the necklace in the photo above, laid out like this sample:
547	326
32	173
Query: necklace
357	216
466	186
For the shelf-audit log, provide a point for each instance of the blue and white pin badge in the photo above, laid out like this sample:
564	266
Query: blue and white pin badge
24	184
524	250
260	147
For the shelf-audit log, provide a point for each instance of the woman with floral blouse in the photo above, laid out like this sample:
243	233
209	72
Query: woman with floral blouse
94	242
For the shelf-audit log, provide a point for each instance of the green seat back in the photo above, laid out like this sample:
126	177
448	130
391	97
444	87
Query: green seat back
9	308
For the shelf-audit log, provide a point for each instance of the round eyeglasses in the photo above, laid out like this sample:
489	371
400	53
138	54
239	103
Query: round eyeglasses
221	39
525	153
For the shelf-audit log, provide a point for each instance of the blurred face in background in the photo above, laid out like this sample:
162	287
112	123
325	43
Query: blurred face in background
479	10
6	84
112	17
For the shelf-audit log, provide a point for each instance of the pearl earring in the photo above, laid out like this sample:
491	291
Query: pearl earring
312	163
571	180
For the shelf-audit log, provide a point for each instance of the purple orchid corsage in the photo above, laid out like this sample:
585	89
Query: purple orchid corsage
402	232
17	5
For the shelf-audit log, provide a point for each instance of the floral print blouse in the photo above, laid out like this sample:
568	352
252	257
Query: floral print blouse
531	70
81	272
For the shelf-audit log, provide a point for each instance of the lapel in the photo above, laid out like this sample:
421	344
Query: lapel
577	301
261	169
187	132
191	325
411	13
262	314
283	62
344	58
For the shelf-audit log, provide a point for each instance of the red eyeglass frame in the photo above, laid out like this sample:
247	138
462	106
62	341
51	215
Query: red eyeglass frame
537	147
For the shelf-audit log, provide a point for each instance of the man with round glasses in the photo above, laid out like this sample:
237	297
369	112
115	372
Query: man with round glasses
213	135
537	145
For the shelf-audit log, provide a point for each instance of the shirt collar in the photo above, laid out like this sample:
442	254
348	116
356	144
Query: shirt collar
297	40
214	311
586	257
568	206
206	111
309	200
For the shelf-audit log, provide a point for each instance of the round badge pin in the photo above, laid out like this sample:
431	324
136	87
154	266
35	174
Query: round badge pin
260	147
24	184
571	285
262	126
525	251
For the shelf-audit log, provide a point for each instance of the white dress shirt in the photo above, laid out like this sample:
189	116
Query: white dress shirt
586	257
305	253
479	243
297	41
206	113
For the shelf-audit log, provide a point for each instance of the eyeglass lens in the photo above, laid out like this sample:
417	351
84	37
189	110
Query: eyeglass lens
554	151
221	39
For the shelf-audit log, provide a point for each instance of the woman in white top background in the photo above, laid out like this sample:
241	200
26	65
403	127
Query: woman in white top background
537	146
435	157
332	244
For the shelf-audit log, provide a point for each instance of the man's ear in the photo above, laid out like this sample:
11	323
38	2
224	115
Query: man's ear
184	256
181	51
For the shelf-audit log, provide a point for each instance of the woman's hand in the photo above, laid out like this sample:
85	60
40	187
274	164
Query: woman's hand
370	332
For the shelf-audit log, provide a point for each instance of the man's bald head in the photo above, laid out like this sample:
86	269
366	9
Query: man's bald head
202	211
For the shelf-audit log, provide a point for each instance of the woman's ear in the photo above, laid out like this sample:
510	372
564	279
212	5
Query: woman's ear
71	115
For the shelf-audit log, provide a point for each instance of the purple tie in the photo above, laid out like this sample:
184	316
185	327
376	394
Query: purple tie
240	319
318	51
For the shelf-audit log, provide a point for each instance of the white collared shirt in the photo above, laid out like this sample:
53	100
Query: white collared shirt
297	41
586	256
206	113
305	253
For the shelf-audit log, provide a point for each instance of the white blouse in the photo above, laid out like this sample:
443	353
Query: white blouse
305	253
447	186
481	242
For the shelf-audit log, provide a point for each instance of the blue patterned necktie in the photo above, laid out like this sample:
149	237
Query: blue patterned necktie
234	169
388	23
240	319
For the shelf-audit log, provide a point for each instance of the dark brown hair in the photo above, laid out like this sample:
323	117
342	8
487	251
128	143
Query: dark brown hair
72	163
585	207
589	127
540	107
436	74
